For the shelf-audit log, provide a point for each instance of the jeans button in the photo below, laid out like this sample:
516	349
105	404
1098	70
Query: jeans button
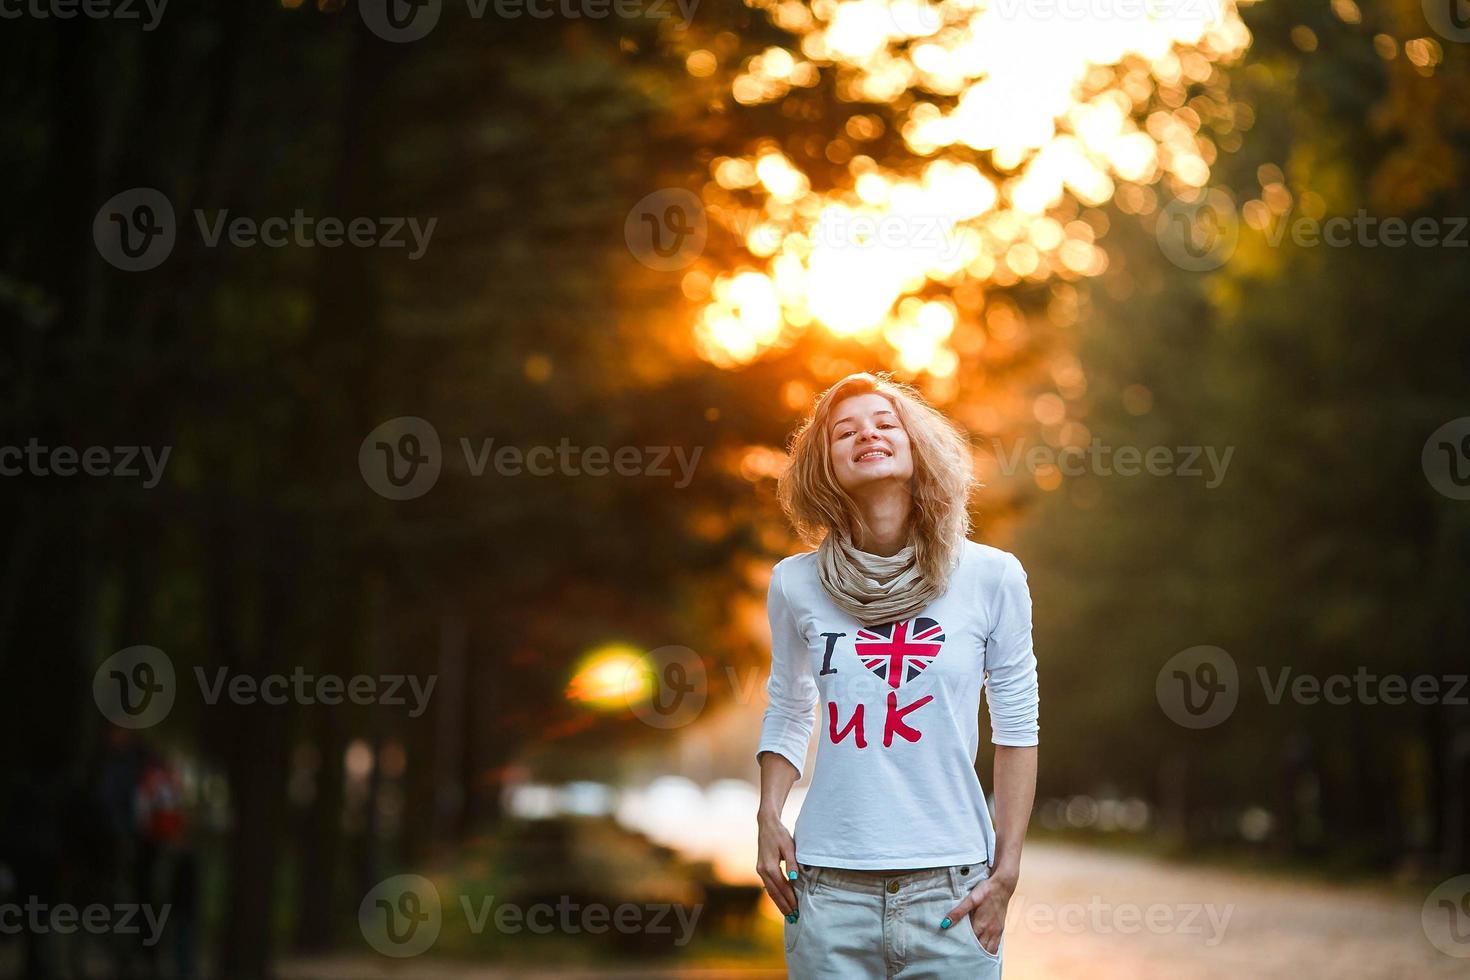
965	870
892	887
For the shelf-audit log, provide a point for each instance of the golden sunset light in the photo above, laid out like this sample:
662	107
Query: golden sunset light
1017	119
610	678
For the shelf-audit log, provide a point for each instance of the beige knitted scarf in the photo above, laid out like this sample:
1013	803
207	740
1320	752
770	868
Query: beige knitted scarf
873	589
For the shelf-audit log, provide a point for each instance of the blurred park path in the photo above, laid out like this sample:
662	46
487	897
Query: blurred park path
1082	912
1088	913
362	968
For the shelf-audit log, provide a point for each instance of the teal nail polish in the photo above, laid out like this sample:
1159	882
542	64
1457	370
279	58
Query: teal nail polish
791	917
791	875
946	923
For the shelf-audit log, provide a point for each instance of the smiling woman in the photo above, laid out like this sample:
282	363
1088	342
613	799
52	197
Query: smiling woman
838	487
895	614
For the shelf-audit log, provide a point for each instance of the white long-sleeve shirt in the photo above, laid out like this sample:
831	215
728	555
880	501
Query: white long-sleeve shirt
894	784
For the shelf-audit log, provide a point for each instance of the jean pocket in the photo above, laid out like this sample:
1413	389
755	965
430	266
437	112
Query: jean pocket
803	908
974	938
970	879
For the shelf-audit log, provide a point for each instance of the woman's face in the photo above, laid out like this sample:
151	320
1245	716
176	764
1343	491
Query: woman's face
868	442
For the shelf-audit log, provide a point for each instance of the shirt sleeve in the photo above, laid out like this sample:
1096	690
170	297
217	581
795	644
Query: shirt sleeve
791	690
1011	689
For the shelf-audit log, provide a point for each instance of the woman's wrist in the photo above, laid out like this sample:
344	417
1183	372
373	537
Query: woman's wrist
1006	876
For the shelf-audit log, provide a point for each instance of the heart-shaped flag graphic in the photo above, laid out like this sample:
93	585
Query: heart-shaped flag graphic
899	652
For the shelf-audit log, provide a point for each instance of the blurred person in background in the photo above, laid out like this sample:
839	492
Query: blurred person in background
896	622
167	870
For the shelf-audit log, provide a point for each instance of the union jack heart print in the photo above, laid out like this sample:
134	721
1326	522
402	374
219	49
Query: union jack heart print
899	652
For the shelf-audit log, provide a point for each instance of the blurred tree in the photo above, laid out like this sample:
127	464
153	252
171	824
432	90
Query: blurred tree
1325	550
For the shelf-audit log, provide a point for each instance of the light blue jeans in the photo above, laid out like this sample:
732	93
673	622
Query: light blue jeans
864	925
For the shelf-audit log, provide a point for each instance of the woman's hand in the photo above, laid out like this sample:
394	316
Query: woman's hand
984	911
775	845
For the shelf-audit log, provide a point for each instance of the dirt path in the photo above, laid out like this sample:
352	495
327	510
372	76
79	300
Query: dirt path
1101	916
1096	915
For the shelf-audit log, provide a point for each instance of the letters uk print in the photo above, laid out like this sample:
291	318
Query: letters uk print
898	654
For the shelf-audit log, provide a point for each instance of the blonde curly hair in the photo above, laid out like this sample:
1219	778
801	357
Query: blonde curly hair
943	476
